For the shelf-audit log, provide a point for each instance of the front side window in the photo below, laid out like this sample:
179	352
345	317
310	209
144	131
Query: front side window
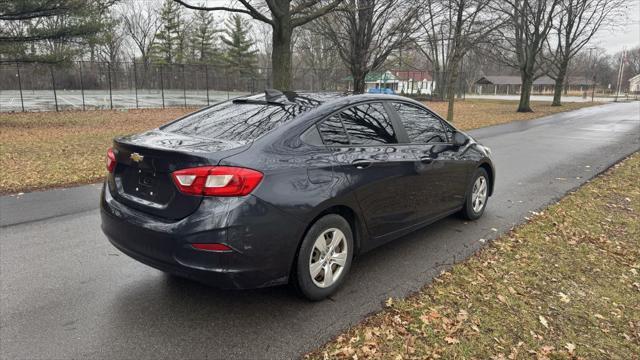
368	124
421	126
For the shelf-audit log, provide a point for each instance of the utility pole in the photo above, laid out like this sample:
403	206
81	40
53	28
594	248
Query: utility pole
593	73
620	73
400	70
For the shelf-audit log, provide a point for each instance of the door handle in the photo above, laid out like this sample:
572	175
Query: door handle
361	164
426	159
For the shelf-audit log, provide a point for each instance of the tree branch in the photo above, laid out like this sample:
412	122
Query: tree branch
299	21
249	10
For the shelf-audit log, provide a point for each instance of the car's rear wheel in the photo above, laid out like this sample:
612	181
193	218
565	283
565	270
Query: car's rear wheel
477	195
324	258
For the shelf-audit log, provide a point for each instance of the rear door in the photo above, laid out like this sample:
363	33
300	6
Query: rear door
367	153
442	174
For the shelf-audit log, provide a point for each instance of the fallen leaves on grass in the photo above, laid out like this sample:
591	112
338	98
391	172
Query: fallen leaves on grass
563	286
46	149
543	321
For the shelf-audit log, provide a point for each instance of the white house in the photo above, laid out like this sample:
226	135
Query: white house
414	82
634	84
401	82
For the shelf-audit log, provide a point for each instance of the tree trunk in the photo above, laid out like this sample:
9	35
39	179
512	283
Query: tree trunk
451	91
560	83
440	91
557	92
525	94
358	82
281	55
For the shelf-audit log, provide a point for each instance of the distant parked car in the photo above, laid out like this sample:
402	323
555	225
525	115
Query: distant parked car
387	91
289	187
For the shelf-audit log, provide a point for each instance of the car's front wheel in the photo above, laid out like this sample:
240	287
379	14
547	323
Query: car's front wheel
325	257
477	195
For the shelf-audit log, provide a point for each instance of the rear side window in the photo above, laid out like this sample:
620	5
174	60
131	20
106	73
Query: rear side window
332	131
368	124
421	126
235	121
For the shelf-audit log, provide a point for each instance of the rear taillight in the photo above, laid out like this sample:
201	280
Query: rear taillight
212	247
111	160
217	180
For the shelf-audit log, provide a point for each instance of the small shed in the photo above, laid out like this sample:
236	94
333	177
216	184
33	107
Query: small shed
510	84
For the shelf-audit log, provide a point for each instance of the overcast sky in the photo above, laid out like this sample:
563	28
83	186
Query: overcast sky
627	35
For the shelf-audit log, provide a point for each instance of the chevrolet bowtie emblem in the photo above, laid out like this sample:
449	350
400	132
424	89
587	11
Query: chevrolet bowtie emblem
136	157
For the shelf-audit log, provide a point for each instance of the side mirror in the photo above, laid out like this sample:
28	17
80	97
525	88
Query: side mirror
459	139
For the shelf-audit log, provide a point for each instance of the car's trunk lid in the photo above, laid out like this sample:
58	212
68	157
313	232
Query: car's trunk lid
142	177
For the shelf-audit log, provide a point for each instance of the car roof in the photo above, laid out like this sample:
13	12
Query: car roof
311	100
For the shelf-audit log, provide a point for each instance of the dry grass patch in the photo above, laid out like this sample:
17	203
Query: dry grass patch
477	113
565	285
47	149
40	150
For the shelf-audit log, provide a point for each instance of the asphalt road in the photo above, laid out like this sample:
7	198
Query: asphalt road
67	293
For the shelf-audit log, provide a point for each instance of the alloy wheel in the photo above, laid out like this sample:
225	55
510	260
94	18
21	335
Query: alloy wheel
479	194
328	257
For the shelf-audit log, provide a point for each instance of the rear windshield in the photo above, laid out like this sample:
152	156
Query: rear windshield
235	121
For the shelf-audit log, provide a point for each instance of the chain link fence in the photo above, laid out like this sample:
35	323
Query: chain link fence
101	85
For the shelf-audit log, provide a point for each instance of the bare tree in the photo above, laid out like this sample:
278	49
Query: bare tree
631	64
633	61
524	39
366	32
450	29
575	25
283	16
110	43
141	25
317	54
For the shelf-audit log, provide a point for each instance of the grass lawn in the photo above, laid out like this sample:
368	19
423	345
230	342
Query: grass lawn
565	285
48	149
477	113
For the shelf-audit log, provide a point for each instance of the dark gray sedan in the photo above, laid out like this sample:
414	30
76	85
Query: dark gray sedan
287	187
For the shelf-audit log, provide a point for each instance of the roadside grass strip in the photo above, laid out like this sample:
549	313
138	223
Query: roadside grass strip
476	113
48	149
564	285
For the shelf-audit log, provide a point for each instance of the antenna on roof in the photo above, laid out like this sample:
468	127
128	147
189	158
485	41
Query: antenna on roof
272	94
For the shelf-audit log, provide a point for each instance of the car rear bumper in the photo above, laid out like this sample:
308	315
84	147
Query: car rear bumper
261	256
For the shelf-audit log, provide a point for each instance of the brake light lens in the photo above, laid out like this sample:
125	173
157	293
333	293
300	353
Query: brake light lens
217	180
111	160
212	247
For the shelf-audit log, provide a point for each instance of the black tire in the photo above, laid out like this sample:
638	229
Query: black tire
302	278
468	211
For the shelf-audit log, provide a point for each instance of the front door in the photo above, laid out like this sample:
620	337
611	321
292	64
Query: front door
441	174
